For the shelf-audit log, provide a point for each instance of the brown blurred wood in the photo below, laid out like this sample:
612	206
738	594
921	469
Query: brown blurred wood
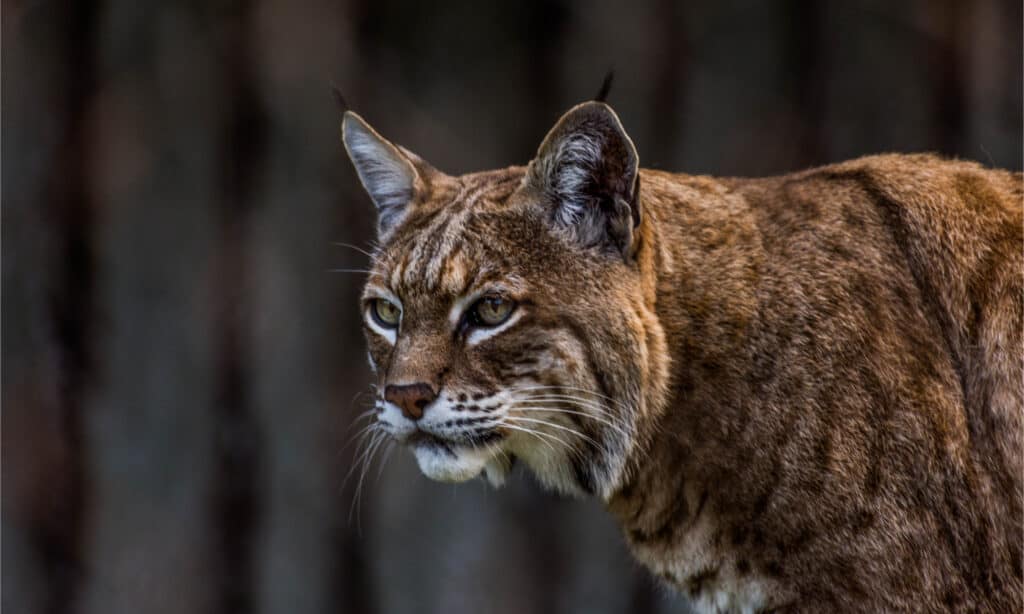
306	349
807	53
157	127
237	496
73	314
671	72
948	59
993	76
45	390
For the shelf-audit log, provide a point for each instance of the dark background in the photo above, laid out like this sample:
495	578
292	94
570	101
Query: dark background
179	366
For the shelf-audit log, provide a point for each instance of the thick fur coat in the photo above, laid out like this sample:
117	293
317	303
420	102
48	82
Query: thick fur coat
798	393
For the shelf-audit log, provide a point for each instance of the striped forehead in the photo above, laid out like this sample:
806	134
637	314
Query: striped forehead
445	253
438	260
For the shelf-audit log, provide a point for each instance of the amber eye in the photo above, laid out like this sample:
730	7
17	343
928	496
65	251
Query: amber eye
385	313
491	311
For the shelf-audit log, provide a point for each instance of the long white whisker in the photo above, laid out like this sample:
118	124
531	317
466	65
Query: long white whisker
361	393
369	414
553	410
504	454
362	431
572	388
559	401
540	435
355	247
389	448
356	429
520	419
365	414
598	395
366	442
374	446
554	394
581	402
366	438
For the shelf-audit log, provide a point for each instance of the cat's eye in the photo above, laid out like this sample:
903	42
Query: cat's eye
385	313
491	311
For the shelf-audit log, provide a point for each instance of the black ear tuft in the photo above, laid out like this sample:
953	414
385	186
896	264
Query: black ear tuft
606	87
587	173
339	98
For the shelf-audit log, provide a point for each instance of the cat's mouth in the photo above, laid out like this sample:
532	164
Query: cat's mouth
455	459
420	437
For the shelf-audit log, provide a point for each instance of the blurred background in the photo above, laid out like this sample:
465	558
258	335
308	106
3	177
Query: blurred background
180	368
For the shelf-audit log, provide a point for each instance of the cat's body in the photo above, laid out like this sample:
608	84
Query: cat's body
799	393
845	419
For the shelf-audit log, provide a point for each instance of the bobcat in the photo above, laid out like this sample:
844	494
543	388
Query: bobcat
798	393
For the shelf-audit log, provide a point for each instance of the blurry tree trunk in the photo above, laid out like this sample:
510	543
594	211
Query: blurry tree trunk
48	303
155	123
237	488
993	71
72	211
671	78
307	354
953	20
806	53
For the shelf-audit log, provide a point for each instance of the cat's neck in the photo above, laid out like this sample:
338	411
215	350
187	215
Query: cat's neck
700	259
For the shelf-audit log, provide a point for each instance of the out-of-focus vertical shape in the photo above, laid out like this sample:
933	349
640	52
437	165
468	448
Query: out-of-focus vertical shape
671	69
993	71
352	227
951	20
879	82
49	272
742	117
807	54
156	125
236	492
307	355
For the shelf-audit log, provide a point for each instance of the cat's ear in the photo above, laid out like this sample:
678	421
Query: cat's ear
587	171
392	176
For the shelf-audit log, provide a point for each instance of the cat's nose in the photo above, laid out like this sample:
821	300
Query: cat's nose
412	398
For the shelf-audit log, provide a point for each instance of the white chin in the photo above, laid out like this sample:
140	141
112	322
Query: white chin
451	464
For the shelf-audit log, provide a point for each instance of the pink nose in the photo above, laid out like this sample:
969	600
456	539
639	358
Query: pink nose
412	398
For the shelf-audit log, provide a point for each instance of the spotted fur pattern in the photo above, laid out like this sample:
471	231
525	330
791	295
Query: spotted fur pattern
800	393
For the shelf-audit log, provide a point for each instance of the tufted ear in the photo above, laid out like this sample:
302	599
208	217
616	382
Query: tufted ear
391	175
587	171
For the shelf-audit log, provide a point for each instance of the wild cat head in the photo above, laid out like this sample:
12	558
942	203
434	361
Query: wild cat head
506	312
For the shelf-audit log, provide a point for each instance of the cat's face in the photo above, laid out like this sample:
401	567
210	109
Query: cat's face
504	311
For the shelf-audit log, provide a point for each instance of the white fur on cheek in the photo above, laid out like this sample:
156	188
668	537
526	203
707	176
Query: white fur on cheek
481	334
390	334
460	306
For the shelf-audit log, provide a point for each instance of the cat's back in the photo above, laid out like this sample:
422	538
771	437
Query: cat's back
861	390
956	230
943	236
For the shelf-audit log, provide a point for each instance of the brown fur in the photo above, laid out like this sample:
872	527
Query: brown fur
803	393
